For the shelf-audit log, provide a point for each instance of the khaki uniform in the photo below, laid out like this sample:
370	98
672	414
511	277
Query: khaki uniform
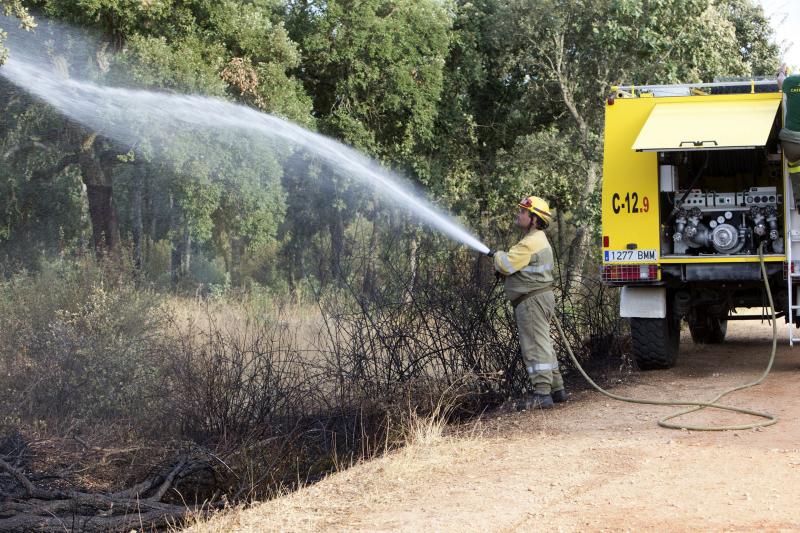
528	271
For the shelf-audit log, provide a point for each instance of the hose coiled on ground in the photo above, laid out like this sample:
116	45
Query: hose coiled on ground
769	419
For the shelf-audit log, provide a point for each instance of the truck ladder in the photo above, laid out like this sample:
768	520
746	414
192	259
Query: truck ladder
792	221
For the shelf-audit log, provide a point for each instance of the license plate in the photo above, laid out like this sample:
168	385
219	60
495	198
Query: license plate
630	256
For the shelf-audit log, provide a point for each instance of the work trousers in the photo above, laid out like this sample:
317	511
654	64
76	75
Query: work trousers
533	324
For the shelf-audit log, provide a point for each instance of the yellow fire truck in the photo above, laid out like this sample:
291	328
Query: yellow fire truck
694	183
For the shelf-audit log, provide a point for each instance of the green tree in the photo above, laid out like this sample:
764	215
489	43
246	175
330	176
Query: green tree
231	50
479	102
569	54
17	9
38	210
375	71
756	40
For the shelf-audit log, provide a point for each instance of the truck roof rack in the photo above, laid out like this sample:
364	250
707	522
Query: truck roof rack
686	89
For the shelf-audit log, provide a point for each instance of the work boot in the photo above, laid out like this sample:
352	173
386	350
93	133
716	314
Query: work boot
531	401
559	396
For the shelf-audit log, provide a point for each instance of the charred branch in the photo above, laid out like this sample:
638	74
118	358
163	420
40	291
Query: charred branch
21	479
43	509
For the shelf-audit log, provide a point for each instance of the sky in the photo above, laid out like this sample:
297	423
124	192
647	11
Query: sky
784	16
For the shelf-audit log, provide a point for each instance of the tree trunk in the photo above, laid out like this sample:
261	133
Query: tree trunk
579	246
561	252
99	191
150	218
181	253
137	223
186	247
291	260
336	229
560	234
413	260
370	273
175	262
175	253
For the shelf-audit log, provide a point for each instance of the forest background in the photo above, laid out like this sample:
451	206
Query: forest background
280	318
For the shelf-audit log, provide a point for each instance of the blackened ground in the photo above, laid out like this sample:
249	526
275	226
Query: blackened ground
593	464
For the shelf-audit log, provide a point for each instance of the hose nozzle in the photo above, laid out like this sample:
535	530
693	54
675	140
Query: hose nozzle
490	253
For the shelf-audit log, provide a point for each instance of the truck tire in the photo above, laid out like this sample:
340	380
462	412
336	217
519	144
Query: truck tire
708	330
655	342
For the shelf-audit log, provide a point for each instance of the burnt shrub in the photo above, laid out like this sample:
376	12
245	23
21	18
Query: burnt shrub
269	396
246	380
589	315
447	328
441	328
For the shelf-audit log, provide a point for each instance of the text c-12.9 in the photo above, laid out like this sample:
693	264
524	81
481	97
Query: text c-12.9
630	203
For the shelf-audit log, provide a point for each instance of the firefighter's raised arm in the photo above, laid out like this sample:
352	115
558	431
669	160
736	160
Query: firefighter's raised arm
515	259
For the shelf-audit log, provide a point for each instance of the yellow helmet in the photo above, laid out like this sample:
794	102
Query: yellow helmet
539	207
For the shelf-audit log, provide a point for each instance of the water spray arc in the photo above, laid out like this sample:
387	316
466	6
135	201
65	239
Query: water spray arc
127	116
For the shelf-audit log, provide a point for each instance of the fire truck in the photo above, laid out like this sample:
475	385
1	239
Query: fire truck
695	192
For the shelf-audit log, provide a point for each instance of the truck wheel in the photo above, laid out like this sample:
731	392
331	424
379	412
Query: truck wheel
708	330
655	342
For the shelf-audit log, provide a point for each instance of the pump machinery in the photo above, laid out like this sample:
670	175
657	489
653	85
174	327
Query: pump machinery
708	222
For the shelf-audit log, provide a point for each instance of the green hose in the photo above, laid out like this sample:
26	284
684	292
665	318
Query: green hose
696	406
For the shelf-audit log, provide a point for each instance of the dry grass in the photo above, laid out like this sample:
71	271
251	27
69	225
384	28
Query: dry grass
334	502
424	431
230	316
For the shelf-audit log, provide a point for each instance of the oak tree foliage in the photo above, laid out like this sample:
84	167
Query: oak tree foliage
475	103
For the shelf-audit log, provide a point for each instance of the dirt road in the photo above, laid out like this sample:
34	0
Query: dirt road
593	464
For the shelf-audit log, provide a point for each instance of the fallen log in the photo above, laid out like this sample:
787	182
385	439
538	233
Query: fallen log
137	507
138	520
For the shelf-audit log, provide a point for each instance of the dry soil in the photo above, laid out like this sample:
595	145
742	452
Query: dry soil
593	464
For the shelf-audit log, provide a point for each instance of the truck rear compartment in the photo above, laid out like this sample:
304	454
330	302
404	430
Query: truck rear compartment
721	203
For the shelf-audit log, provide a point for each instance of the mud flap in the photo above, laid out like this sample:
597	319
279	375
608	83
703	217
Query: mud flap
643	302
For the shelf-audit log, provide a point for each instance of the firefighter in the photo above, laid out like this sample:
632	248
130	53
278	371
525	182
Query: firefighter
527	269
790	134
